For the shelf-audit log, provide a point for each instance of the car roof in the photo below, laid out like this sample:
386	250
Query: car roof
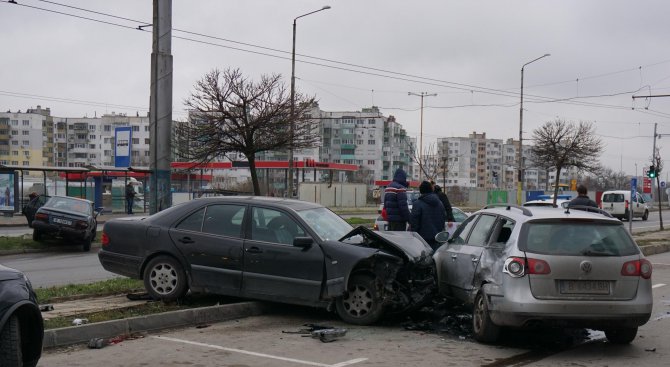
285	202
524	214
70	197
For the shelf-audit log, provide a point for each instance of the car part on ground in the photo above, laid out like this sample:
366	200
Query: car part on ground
530	266
273	249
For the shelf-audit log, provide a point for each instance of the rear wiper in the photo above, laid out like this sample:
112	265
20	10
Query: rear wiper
591	252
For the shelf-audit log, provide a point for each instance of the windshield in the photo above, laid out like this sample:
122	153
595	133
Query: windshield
326	224
585	238
68	204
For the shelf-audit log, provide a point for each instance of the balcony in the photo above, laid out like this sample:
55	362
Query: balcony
348	146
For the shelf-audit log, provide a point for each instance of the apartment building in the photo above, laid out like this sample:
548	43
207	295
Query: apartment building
26	138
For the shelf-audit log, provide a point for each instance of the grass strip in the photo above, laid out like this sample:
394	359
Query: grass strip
97	289
356	221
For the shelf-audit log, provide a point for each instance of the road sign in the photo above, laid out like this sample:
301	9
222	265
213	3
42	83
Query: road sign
646	185
633	187
645	171
662	184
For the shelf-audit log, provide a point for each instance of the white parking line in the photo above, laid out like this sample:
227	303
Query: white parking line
659	285
341	364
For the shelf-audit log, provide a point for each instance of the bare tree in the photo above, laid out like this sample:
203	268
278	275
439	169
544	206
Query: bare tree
560	144
605	178
230	113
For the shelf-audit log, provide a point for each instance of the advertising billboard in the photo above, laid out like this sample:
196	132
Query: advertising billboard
122	146
8	186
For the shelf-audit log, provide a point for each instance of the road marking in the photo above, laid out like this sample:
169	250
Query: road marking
659	285
341	364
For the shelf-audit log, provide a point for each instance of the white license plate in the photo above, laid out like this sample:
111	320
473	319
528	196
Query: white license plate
67	222
585	287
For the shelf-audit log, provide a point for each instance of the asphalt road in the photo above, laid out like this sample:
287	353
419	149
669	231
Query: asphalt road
264	341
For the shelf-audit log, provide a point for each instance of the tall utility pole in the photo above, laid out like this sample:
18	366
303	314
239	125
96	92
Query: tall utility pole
422	94
292	122
160	105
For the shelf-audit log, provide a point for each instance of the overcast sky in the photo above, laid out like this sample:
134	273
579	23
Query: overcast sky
370	52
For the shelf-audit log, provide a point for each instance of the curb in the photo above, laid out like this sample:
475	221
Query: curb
656	248
174	319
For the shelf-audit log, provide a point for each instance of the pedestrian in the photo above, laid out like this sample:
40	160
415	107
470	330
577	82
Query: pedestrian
31	207
428	215
395	202
130	196
447	205
582	198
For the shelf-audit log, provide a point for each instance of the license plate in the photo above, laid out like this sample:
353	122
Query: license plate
585	287
66	222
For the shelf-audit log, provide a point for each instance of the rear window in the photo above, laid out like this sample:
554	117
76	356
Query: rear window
576	238
613	198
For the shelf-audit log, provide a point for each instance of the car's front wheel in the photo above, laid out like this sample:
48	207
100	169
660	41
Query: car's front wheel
646	215
86	245
361	304
10	343
621	336
37	235
165	279
483	329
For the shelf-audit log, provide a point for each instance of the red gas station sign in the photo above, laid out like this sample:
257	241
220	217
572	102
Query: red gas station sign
646	185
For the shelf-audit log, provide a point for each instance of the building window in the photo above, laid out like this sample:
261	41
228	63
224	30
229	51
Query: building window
91	137
107	128
25	142
26	122
15	163
26	163
146	128
136	128
15	122
15	132
147	153
371	162
371	142
15	153
135	153
371	121
91	146
25	132
14	142
107	153
146	141
91	128
136	140
91	155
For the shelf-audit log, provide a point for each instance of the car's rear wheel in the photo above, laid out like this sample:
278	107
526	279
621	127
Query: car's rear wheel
621	336
646	215
10	343
483	329
86	246
164	279
37	235
361	304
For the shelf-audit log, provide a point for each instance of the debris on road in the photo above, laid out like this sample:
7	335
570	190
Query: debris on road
98	343
139	296
77	322
650	350
47	307
324	333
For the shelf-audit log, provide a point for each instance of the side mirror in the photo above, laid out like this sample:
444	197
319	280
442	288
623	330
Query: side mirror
98	211
442	237
303	242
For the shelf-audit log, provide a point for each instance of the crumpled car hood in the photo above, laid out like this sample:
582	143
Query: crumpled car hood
409	245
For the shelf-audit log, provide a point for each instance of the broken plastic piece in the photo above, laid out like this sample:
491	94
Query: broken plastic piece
329	335
77	322
47	307
97	343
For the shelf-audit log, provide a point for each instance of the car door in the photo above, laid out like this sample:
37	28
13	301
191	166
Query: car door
466	258
638	204
448	261
210	239
275	269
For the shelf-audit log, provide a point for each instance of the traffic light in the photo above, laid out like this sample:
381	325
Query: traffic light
652	172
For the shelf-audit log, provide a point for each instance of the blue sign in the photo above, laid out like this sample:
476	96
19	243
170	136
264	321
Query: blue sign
633	187
122	146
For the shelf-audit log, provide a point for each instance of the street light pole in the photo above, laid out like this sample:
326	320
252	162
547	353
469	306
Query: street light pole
422	94
520	168
292	117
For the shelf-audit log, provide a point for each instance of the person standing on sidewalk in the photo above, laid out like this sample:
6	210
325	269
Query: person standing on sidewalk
130	196
582	198
395	202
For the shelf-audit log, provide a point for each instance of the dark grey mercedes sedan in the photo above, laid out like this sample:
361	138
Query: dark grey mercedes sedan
272	249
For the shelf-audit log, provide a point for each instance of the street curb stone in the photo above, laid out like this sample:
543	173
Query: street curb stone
173	319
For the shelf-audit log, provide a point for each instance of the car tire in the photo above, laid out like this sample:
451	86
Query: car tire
483	329
37	235
86	246
646	215
361	304
165	279
10	343
621	336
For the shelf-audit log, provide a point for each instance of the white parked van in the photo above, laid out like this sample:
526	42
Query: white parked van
618	202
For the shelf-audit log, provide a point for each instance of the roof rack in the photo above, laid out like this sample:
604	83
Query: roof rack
525	210
588	209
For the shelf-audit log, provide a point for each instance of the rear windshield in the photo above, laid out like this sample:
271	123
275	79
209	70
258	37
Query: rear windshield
578	238
613	198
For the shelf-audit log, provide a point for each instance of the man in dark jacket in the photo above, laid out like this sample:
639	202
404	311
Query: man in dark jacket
31	207
395	202
447	205
130	196
428	215
582	198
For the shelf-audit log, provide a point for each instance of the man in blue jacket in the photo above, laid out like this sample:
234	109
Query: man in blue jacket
395	202
428	215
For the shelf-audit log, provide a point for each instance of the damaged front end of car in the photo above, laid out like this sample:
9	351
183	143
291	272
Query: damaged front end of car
401	265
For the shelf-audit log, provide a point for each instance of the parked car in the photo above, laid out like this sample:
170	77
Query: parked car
459	216
69	218
272	249
618	203
528	266
21	324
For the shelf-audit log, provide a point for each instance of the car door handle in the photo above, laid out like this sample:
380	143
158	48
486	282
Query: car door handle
475	260
454	257
254	250
185	240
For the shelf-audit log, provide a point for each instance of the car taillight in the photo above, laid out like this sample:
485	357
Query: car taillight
81	224
626	204
518	266
104	239
636	268
41	216
375	227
